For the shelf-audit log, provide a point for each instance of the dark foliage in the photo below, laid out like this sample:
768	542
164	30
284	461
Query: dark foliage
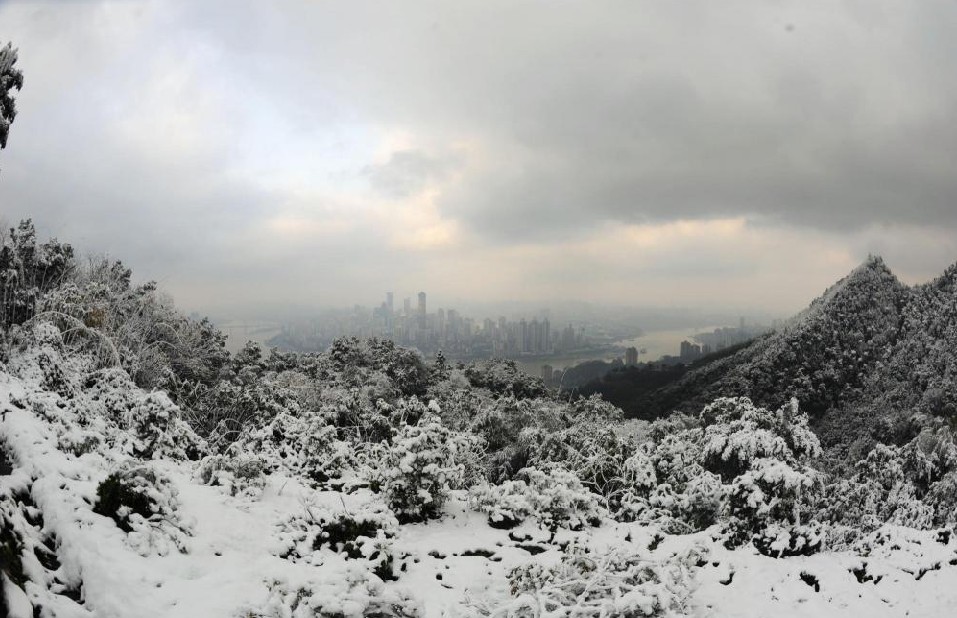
342	534
116	492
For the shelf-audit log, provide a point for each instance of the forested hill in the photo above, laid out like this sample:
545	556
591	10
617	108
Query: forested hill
870	348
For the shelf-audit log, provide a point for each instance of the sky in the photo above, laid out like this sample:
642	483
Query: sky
249	156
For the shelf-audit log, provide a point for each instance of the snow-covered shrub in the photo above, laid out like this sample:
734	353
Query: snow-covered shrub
554	497
770	495
614	584
29	270
507	504
160	432
503	377
703	501
929	457
501	421
942	499
594	409
54	375
144	504
666	485
594	451
304	446
738	433
560	500
239	475
786	540
113	391
355	361
222	412
638	479
358	412
364	534
514	429
764	459
878	492
422	463
352	592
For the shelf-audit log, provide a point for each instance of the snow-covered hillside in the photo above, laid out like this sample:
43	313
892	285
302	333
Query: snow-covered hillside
231	541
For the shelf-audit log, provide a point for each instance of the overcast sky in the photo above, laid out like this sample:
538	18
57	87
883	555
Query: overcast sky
722	154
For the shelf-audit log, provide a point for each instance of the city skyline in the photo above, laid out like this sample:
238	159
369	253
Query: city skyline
445	329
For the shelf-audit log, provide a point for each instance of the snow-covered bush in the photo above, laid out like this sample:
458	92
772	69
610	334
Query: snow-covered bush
593	450
703	501
144	504
554	497
942	499
786	540
878	492
304	446
614	584
160	432
29	270
507	504
770	495
351	592
112	390
239	475
422	463
738	433
223	412
363	534
356	360
638	479
503	377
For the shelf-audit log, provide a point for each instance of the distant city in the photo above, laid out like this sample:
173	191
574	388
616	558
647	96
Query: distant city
456	335
533	340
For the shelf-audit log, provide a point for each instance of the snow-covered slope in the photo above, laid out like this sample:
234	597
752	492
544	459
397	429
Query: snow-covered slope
824	356
227	550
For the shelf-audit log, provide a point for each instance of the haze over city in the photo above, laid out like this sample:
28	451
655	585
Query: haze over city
723	155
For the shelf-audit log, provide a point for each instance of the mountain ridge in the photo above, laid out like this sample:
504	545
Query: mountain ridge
869	347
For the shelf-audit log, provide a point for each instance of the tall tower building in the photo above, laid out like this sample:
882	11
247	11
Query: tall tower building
422	311
631	356
390	302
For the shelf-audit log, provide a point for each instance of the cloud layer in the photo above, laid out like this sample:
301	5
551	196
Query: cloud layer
732	154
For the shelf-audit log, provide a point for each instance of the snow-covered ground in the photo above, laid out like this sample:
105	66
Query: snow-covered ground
230	559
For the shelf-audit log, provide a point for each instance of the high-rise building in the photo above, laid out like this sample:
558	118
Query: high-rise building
631	356
422	311
407	307
389	301
690	351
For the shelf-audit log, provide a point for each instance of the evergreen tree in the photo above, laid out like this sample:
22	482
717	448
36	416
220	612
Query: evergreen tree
10	79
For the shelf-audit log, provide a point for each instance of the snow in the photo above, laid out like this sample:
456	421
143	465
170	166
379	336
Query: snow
457	565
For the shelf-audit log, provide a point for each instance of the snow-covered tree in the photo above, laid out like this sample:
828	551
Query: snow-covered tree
11	79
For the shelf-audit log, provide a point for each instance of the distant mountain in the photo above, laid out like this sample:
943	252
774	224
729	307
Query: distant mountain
870	355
